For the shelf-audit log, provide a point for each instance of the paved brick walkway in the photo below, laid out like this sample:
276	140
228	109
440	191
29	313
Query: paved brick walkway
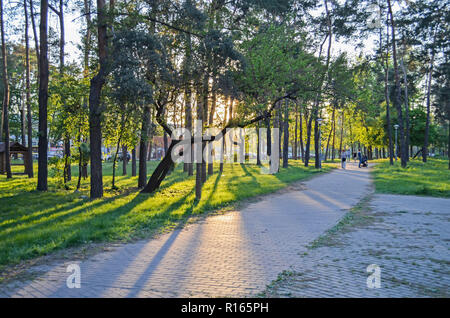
408	239
234	254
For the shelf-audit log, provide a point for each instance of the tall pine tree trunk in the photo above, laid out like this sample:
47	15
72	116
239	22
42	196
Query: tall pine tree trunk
95	109
210	123
286	135
199	159
407	128
43	99
427	126
295	133
29	156
204	118
67	168
5	122
397	98
133	162
386	95
302	149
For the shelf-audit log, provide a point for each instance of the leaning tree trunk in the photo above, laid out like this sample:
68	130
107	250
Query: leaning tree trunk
95	109
161	170
43	99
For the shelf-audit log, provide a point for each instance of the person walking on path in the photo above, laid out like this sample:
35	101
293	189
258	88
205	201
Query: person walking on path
359	158
343	158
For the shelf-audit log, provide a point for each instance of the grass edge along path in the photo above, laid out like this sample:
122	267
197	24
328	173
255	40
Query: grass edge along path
29	229
423	179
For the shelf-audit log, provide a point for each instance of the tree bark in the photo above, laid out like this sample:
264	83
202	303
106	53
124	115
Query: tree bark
161	171
448	145
333	147
188	123
329	135
29	156
397	99
67	168
211	121
23	120
124	160
286	135
317	142
133	162
308	139
407	128
342	134
269	137
302	150
427	126
33	24
204	119
5	128
143	146
295	133
198	165
188	166
386	94
43	99
95	109
258	148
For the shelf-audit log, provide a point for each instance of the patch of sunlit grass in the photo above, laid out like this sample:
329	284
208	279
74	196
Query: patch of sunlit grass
418	178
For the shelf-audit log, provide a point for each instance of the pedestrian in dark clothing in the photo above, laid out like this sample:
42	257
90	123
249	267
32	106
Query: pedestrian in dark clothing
359	158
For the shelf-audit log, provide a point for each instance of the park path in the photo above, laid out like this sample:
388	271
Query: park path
232	254
406	237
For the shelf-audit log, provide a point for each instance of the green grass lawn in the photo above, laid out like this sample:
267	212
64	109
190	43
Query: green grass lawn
429	179
34	223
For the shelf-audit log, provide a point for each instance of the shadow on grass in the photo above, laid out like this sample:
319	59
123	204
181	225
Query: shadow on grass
82	205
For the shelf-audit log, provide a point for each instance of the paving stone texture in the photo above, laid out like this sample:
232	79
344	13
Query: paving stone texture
237	254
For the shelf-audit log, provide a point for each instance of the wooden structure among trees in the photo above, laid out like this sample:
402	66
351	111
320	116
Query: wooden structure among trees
14	148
